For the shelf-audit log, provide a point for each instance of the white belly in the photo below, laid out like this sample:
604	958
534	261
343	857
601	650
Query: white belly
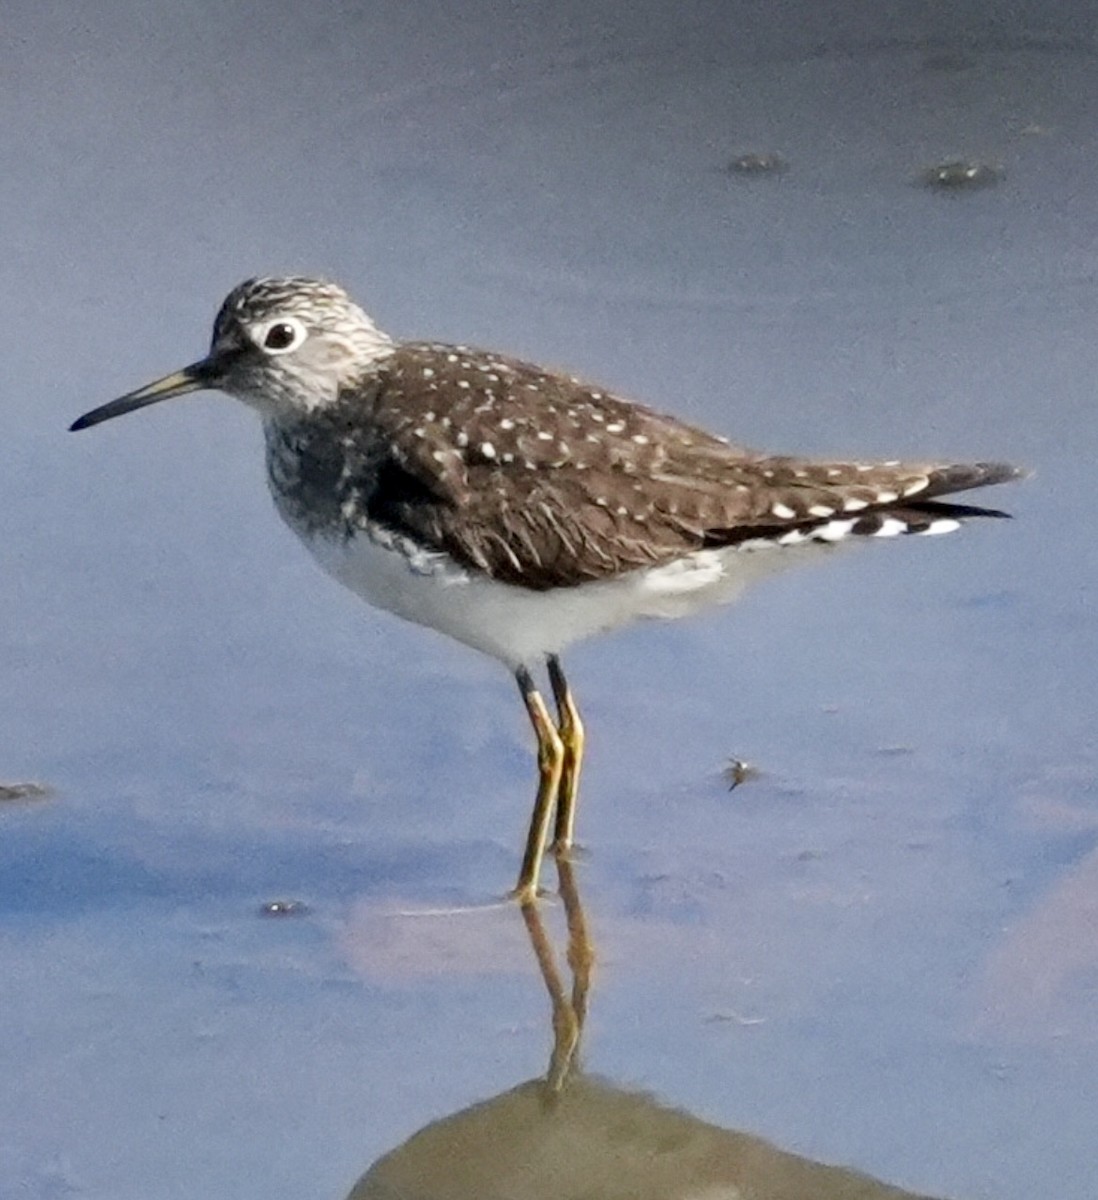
517	625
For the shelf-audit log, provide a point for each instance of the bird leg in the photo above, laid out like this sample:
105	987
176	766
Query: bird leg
570	729
551	756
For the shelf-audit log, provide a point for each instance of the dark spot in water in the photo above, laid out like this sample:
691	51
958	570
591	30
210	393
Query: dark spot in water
764	163
25	791
961	175
283	908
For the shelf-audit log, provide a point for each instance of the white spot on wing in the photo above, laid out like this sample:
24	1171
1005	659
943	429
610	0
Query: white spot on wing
833	531
891	527
941	525
784	511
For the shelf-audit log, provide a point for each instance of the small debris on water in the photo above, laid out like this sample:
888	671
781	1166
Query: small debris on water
283	908
729	1016
764	163
961	175
25	791
738	772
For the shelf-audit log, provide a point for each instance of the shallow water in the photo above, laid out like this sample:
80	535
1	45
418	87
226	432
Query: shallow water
879	953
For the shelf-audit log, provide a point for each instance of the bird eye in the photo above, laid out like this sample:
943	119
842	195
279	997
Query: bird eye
282	336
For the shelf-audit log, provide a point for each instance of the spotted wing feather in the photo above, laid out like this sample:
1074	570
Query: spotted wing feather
543	481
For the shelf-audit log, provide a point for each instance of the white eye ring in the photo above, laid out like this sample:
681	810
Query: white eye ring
281	336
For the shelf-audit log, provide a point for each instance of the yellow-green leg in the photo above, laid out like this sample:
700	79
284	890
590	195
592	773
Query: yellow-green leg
572	736
551	757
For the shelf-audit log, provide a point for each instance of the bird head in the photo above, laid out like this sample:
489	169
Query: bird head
283	346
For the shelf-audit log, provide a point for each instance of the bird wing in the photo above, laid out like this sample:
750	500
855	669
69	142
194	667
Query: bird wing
541	480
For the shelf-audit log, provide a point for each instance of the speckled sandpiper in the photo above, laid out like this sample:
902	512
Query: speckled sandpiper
518	509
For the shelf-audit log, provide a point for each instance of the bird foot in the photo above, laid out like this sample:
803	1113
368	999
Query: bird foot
526	893
570	851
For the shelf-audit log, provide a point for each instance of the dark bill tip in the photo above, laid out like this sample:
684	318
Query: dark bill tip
194	378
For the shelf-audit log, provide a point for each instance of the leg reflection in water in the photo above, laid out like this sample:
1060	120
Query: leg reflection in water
569	1010
571	1136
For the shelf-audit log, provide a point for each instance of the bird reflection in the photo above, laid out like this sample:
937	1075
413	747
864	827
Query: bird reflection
570	1136
569	1011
